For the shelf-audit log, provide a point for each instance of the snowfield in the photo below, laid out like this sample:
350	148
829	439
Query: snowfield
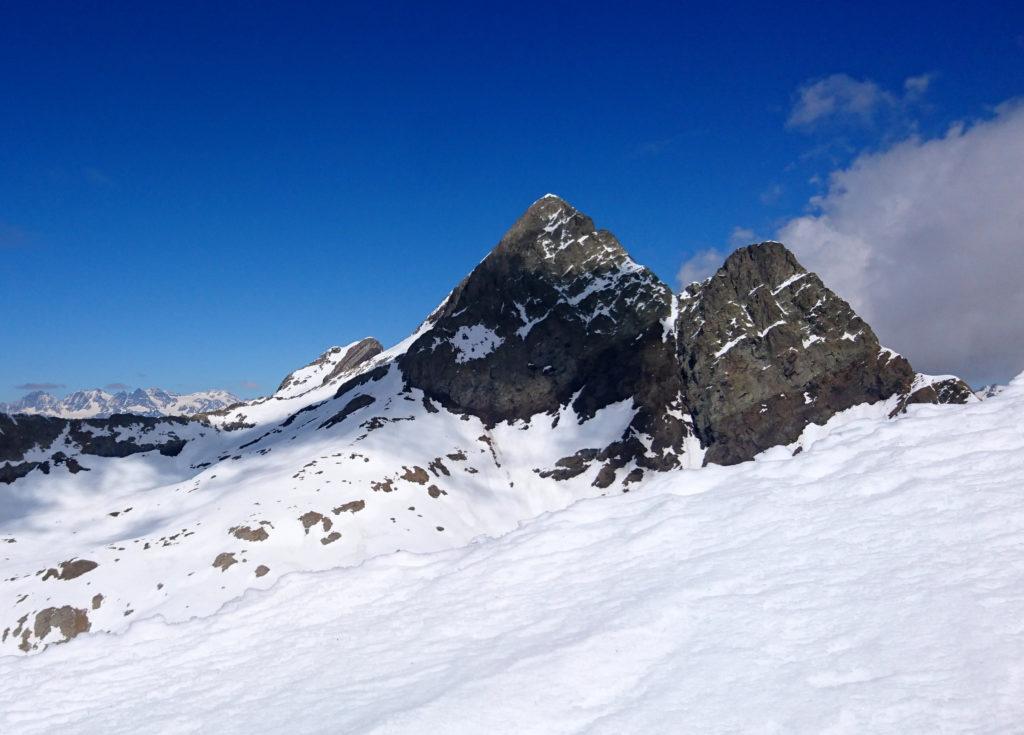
873	582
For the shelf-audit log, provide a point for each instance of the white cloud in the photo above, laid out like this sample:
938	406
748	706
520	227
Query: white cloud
926	240
741	236
705	262
917	86
700	266
841	98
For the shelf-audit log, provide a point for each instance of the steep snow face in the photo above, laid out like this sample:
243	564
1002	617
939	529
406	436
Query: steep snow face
85	404
872	583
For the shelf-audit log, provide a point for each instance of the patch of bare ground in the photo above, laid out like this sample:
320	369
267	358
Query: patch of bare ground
224	560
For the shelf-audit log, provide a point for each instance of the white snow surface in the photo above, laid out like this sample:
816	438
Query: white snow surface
874	582
154	526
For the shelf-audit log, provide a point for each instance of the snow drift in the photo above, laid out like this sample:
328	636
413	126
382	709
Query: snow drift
873	582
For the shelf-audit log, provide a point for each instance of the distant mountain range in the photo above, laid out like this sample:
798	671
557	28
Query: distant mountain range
96	403
989	391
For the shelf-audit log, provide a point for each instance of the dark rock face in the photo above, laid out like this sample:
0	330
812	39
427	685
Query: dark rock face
950	390
18	434
360	401
11	472
557	313
98	437
765	349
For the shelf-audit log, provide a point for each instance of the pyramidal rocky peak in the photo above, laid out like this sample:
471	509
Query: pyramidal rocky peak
557	369
558	314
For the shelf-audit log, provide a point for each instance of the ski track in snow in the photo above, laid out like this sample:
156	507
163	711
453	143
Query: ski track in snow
872	583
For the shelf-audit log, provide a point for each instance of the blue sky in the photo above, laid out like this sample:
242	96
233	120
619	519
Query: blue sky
198	197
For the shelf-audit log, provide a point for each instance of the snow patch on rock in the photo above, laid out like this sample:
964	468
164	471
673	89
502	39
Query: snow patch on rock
475	342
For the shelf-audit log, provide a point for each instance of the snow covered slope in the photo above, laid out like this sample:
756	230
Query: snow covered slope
96	403
873	582
332	484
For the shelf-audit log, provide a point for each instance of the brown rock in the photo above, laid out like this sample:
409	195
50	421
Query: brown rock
351	507
69	620
224	560
417	474
71	569
245	533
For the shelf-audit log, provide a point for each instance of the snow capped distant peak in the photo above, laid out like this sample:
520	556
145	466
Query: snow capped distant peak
96	403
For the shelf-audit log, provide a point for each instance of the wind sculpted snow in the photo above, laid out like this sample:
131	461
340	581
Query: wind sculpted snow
873	582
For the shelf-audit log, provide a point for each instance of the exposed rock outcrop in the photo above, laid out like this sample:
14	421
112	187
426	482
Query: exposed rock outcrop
765	349
120	435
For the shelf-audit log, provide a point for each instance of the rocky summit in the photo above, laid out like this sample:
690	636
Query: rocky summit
765	349
558	369
558	314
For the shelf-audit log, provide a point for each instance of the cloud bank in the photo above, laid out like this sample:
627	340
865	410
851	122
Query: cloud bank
926	240
40	386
